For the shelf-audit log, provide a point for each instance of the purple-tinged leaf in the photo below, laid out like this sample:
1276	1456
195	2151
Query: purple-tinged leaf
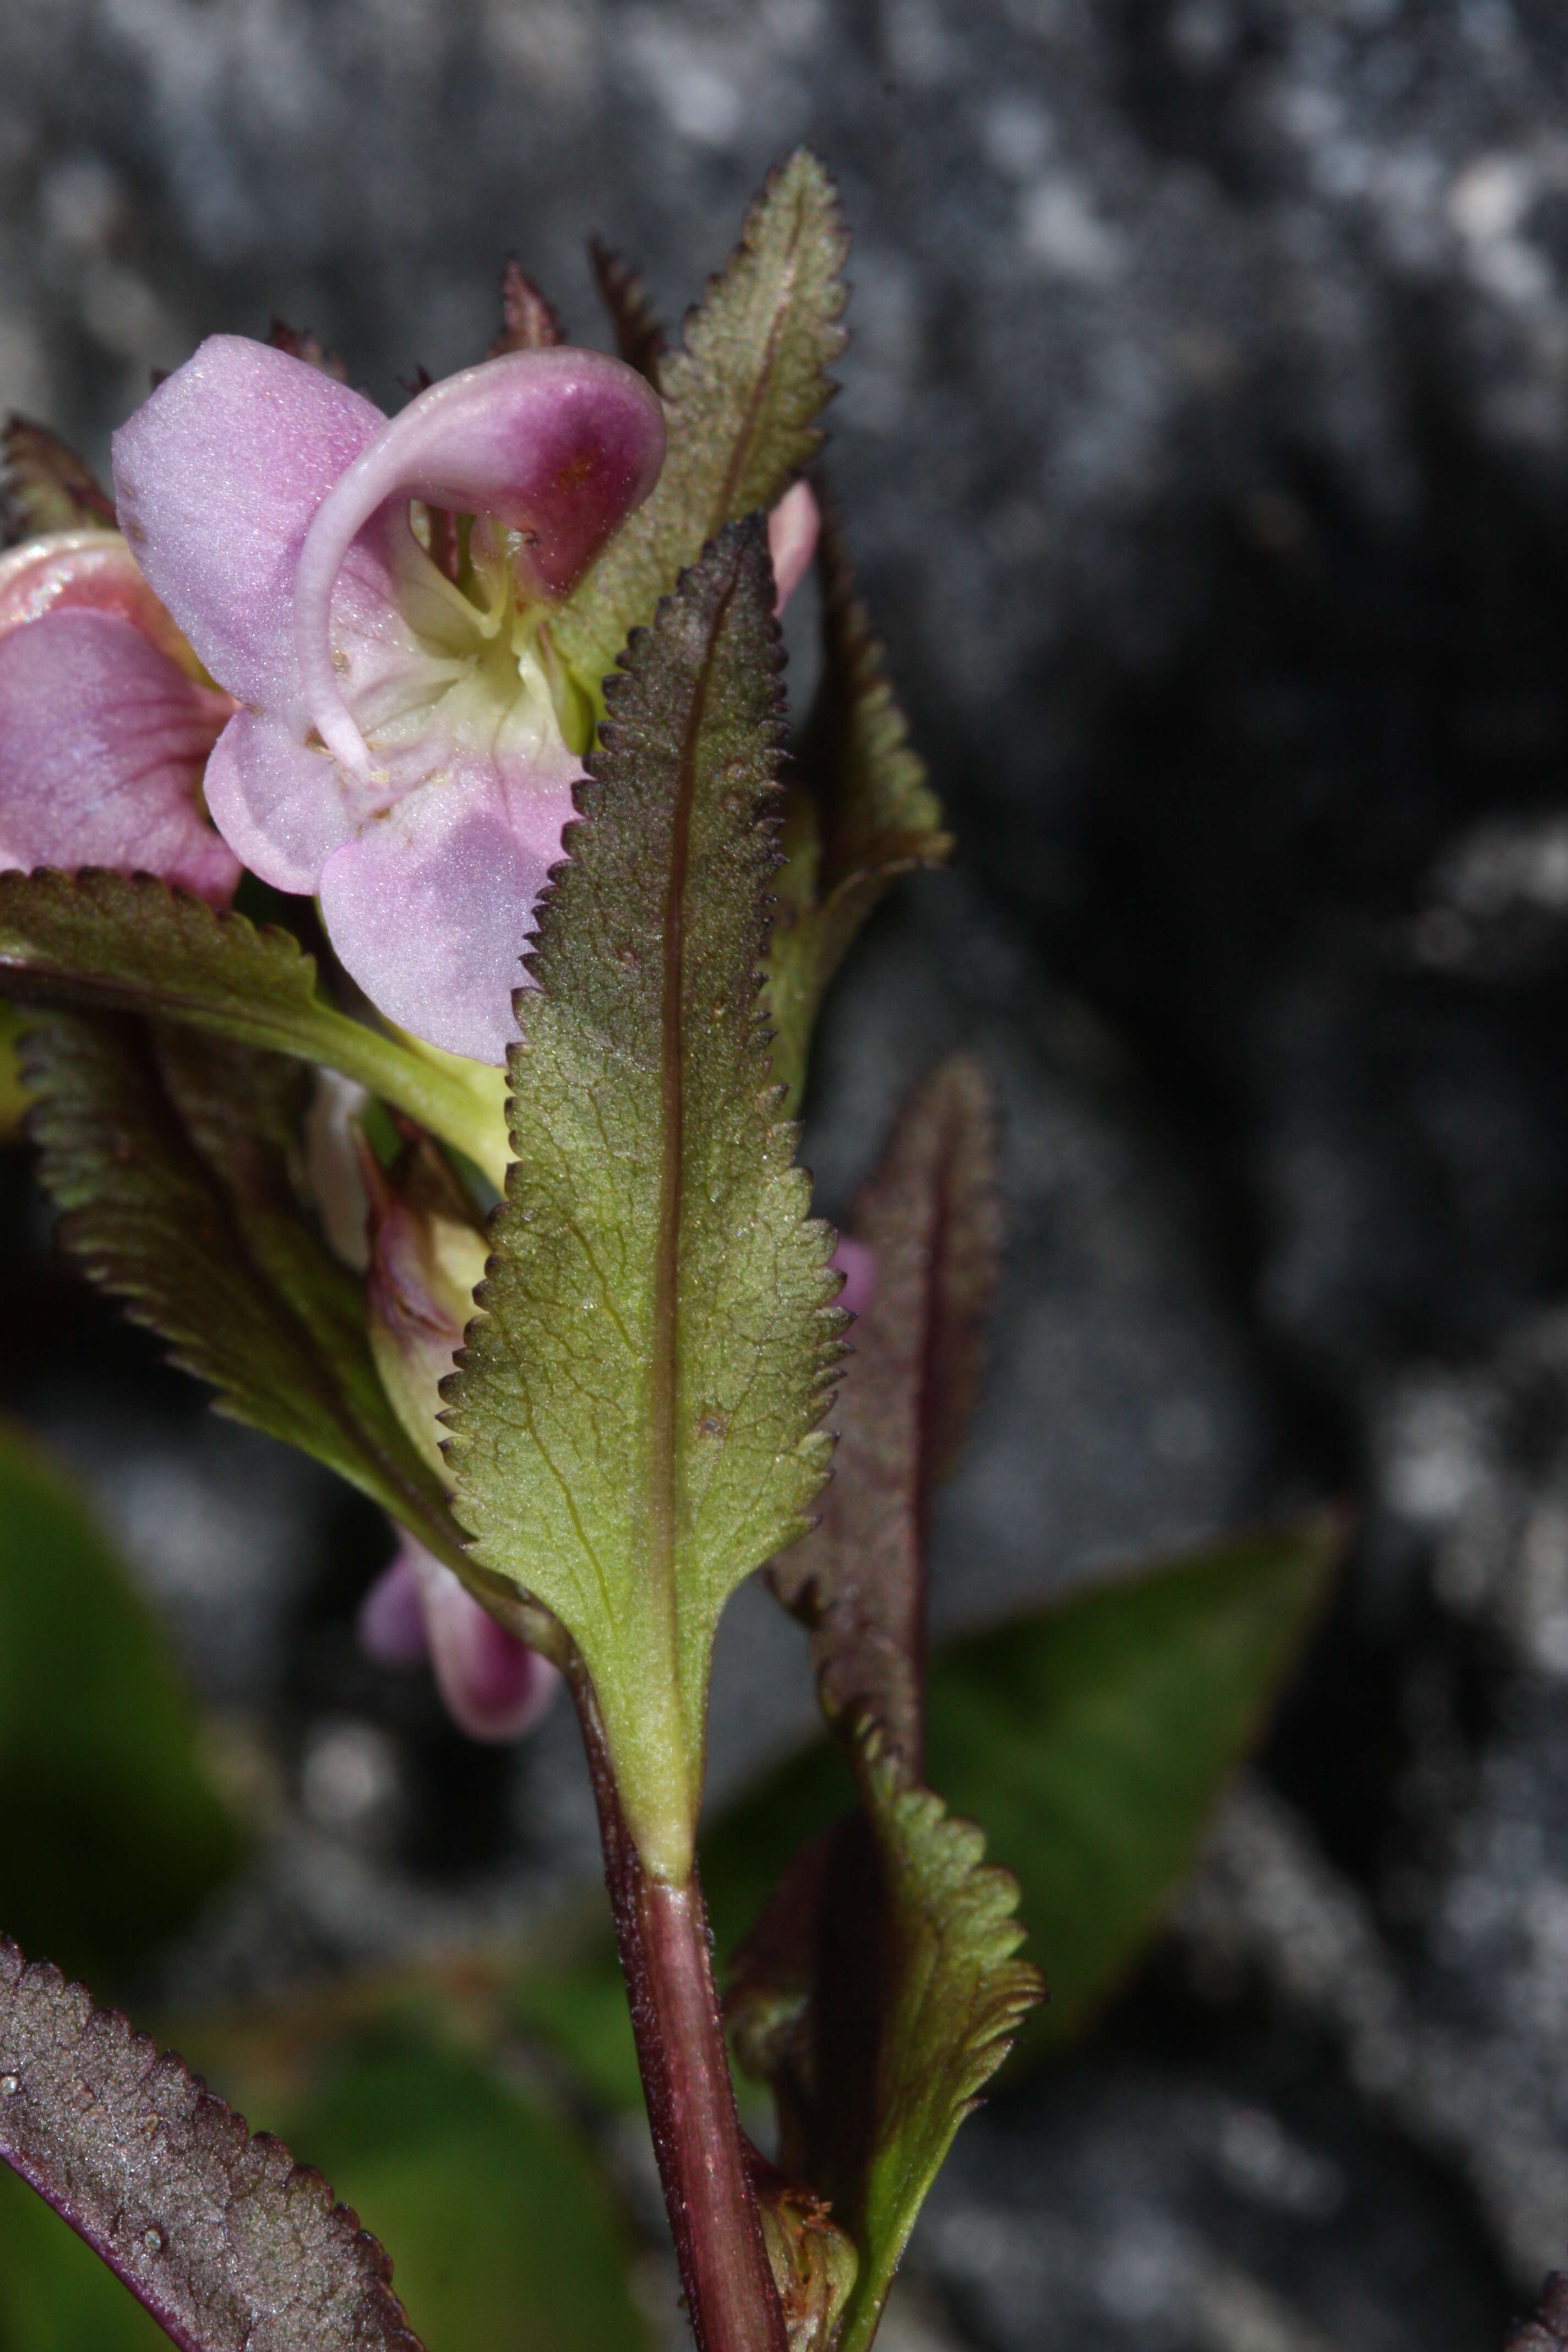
932	1221
46	486
307	347
529	323
859	813
230	2244
1548	2331
881	1988
640	337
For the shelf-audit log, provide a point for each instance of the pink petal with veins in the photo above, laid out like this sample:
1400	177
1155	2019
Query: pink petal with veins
93	569
102	740
431	907
217	478
792	527
558	444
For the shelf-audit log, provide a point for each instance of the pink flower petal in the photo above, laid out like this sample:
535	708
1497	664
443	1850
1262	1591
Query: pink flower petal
792	527
282	808
94	569
495	1688
102	742
430	908
390	1625
217	478
559	445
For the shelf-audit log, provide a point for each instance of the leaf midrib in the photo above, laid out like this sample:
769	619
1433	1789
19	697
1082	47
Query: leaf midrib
665	1316
740	456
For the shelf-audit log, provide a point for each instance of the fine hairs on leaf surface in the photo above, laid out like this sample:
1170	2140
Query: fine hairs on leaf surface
229	2244
859	812
881	1988
742	399
173	1159
129	943
635	1421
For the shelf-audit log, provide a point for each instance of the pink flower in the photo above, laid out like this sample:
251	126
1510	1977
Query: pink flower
105	724
403	748
495	1688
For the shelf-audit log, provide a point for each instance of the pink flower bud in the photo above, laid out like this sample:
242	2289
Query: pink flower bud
493	1685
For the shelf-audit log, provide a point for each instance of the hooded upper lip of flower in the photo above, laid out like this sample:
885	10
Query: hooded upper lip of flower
399	750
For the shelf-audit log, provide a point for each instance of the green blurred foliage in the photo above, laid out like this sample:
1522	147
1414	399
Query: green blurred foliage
503	2234
115	1831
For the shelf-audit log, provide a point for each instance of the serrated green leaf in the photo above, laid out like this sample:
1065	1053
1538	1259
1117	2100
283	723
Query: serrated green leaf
502	2227
230	2245
173	1159
959	1995
129	943
742	400
114	1832
859	813
634	1422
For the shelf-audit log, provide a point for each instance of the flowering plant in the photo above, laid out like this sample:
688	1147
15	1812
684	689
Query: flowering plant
470	1170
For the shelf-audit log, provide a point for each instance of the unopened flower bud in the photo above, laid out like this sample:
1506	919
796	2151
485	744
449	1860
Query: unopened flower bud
426	1254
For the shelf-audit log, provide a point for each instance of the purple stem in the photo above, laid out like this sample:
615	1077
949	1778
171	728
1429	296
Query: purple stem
662	1935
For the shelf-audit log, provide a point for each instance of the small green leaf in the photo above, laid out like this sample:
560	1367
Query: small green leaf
129	943
859	812
635	1417
742	399
229	2244
114	1832
504	2230
959	1995
174	1158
